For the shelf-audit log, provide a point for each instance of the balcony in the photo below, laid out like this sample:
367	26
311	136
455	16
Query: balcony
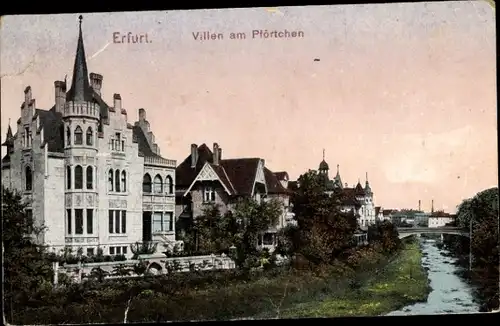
160	161
150	201
158	199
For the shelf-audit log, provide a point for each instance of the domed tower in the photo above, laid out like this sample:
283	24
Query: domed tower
81	118
323	166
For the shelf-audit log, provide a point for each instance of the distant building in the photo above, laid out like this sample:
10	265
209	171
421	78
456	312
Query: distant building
204	177
387	214
85	172
379	214
440	219
358	198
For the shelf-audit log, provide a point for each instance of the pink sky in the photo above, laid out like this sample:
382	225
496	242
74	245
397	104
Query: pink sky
405	92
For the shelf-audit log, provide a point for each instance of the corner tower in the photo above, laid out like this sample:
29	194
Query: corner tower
81	118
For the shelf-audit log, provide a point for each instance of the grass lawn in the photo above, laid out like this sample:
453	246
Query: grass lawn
402	282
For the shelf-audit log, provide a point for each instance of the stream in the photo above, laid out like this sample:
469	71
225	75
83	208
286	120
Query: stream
450	294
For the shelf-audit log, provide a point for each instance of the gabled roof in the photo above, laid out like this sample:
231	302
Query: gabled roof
185	174
359	189
348	196
282	175
274	185
377	210
53	129
241	172
238	174
142	142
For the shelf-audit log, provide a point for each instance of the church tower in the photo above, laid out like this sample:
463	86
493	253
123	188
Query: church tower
81	117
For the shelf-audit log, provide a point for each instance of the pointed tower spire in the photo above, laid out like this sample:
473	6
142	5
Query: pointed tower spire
9	131
338	170
368	190
80	87
9	138
323	154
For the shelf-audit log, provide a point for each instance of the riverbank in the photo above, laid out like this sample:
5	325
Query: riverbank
338	290
484	280
402	282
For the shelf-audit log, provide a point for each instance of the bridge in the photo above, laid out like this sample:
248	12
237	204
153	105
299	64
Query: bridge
406	232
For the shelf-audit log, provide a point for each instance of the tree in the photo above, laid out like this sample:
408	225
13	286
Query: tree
386	235
252	219
26	267
213	231
324	230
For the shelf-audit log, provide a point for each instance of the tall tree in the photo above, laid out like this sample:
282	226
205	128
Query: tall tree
324	230
26	268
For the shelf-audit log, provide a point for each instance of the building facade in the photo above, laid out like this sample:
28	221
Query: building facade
86	173
440	219
205	178
356	198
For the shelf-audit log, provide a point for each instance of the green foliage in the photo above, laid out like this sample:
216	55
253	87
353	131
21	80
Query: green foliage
324	231
482	210
214	233
26	266
386	235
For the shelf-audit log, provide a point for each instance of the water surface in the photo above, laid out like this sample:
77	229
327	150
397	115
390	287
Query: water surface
450	294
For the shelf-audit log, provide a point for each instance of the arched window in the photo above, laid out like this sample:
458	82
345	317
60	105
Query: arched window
169	185
124	181
68	177
90	177
29	178
158	184
78	177
78	136
110	180
68	136
117	180
90	136
146	183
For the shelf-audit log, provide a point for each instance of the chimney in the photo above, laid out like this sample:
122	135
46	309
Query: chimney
117	102
220	153
96	82
432	206
60	95
419	205
216	154
27	96
142	115
194	155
